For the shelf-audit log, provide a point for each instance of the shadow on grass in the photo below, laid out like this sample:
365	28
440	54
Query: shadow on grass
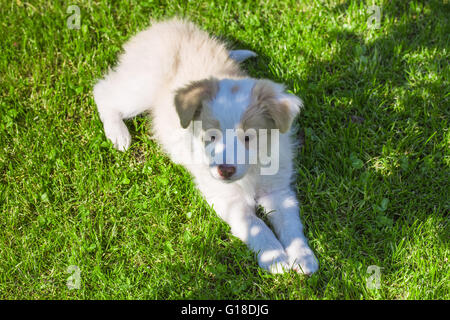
403	172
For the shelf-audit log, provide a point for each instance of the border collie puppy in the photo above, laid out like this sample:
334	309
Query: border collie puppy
231	131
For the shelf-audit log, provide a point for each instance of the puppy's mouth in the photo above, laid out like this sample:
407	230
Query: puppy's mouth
228	180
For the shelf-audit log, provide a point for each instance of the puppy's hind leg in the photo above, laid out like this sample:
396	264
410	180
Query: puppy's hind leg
118	99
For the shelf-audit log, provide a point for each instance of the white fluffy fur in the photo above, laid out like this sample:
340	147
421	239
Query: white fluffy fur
168	56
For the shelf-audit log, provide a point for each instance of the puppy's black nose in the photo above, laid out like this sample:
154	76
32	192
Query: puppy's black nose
226	170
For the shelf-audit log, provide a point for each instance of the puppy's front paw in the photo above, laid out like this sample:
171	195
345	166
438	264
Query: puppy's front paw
274	261
304	262
117	133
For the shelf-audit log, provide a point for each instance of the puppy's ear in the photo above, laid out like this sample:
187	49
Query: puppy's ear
270	101
189	100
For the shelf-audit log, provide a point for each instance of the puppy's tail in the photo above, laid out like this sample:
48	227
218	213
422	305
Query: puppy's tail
241	55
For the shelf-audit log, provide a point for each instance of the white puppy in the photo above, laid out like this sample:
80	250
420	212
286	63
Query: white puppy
202	103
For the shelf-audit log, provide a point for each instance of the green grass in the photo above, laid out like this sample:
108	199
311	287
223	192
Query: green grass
373	173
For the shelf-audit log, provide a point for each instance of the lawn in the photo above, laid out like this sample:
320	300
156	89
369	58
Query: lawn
80	220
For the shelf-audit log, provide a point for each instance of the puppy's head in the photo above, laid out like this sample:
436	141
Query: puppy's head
231	115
